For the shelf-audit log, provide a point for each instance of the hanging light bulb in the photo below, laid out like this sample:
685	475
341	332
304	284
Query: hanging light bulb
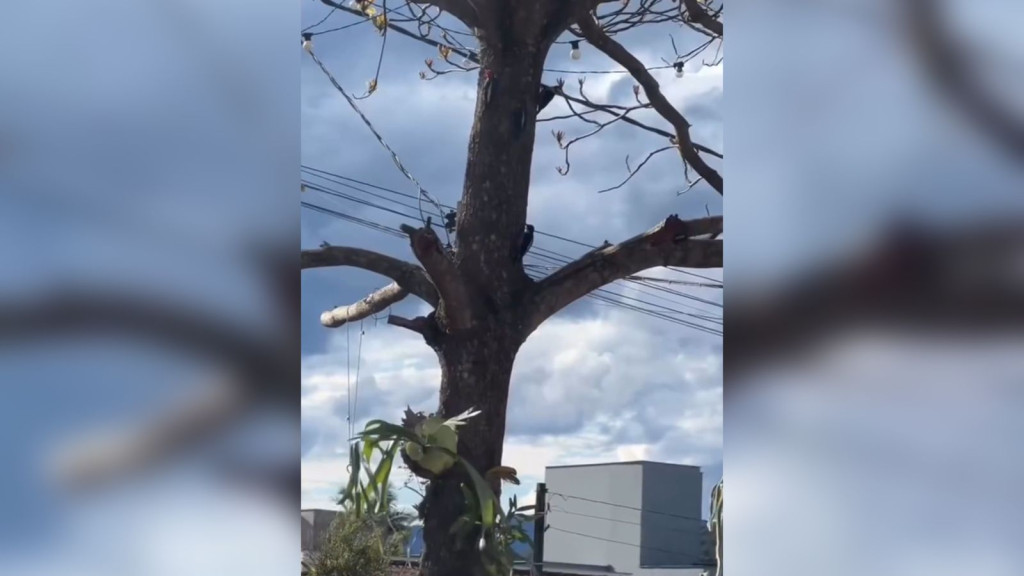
679	69
307	41
574	53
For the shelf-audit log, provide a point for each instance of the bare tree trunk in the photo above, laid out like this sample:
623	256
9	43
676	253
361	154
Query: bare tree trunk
476	371
476	363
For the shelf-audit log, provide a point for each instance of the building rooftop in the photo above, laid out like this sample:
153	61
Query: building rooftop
627	463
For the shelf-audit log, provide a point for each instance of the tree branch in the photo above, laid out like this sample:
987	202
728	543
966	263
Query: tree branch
953	69
670	243
698	15
958	282
455	296
410	277
593	33
377	301
464	10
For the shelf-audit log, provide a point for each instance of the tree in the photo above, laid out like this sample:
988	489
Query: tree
484	304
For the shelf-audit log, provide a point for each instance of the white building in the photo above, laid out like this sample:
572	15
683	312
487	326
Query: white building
642	518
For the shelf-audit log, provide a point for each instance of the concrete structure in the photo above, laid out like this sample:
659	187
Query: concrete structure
642	518
315	523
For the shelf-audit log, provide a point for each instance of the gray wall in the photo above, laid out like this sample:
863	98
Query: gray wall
616	483
315	524
644	534
672	531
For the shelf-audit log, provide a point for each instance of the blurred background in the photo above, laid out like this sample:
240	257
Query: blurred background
874	287
149	360
148	293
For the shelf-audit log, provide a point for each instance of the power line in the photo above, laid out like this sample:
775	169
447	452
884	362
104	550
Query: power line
591	536
564	511
540	252
597	296
647	510
611	301
329	175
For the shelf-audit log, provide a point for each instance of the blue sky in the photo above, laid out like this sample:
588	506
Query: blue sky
595	383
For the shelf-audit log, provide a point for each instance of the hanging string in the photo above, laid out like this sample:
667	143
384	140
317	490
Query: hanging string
348	378
359	357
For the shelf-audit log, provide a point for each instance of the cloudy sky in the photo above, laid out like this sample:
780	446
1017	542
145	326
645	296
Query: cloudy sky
597	382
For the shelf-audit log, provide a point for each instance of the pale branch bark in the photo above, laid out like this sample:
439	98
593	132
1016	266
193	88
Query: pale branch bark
455	296
593	33
700	16
183	327
670	243
410	277
376	301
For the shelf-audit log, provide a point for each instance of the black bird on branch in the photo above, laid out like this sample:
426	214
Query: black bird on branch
527	241
544	97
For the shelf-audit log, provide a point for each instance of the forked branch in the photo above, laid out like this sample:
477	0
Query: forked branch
698	14
673	242
591	30
455	296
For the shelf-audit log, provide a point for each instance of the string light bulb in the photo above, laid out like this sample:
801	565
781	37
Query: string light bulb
307	42
679	69
574	52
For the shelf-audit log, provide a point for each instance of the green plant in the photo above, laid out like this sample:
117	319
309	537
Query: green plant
428	444
354	547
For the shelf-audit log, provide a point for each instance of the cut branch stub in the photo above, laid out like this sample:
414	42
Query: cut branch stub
456	301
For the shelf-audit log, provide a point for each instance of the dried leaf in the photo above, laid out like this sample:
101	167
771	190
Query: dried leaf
411	419
444	50
381	23
504	474
423	75
559	136
370	11
371	86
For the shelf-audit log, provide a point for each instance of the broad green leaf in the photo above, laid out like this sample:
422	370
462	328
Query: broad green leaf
383	475
353	479
484	495
381	430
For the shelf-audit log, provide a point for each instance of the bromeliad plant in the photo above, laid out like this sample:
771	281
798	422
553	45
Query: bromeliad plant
428	445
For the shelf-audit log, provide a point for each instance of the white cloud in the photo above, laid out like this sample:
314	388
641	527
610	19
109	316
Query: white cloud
610	387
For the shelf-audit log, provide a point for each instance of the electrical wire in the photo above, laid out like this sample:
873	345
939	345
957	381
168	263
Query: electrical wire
346	182
591	536
623	506
601	294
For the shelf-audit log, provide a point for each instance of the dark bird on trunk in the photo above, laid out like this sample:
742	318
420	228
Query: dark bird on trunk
544	97
527	241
